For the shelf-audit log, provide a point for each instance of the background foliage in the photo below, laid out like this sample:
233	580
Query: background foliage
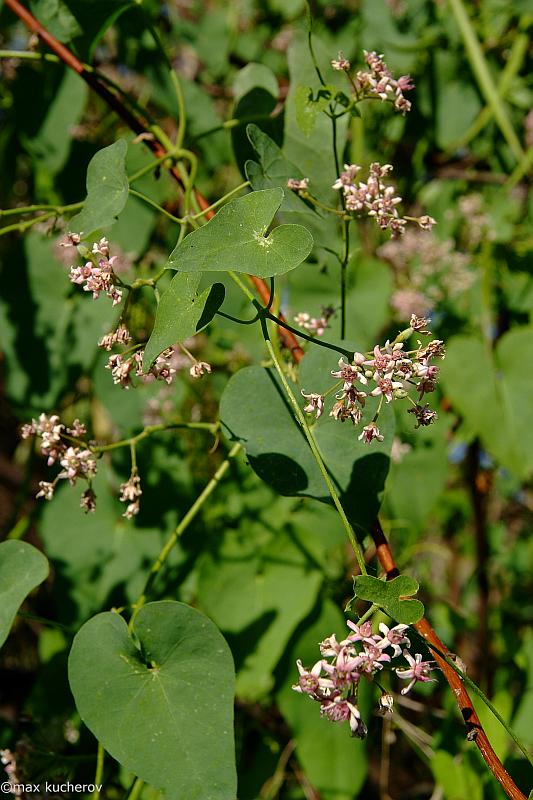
264	561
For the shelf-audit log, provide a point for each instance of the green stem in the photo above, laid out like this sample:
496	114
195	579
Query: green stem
182	119
174	79
316	454
10	212
19	528
522	168
212	427
368	613
511	69
342	350
182	527
307	196
155	205
135	789
233	123
98	778
23	226
221	200
311	48
151	166
263	312
345	233
43	621
28	55
484	79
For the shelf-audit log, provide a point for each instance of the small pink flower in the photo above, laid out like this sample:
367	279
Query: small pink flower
418	671
298	185
315	404
340	63
370	432
199	369
393	637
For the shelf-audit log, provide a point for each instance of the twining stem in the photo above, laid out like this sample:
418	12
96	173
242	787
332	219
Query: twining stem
475	688
181	528
316	453
345	233
468	712
98	778
342	350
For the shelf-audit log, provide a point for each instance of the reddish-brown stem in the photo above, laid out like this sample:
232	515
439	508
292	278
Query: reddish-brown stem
384	553
475	730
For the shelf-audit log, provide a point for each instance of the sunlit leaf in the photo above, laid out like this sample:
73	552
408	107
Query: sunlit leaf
236	239
160	699
390	596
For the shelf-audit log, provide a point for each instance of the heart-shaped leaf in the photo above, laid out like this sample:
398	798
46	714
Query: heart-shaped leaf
22	568
389	596
182	313
255	411
160	700
236	239
107	190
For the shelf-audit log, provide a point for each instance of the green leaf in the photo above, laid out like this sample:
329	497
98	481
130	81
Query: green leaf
52	144
86	21
267	587
455	777
182	313
57	18
485	386
524	713
160	699
255	89
312	153
254	76
107	190
235	240
389	596
254	411
273	170
22	568
307	107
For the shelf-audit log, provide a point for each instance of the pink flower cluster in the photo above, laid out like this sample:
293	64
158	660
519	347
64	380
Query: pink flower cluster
375	198
76	461
130	493
387	373
377	82
123	368
334	680
97	275
315	325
